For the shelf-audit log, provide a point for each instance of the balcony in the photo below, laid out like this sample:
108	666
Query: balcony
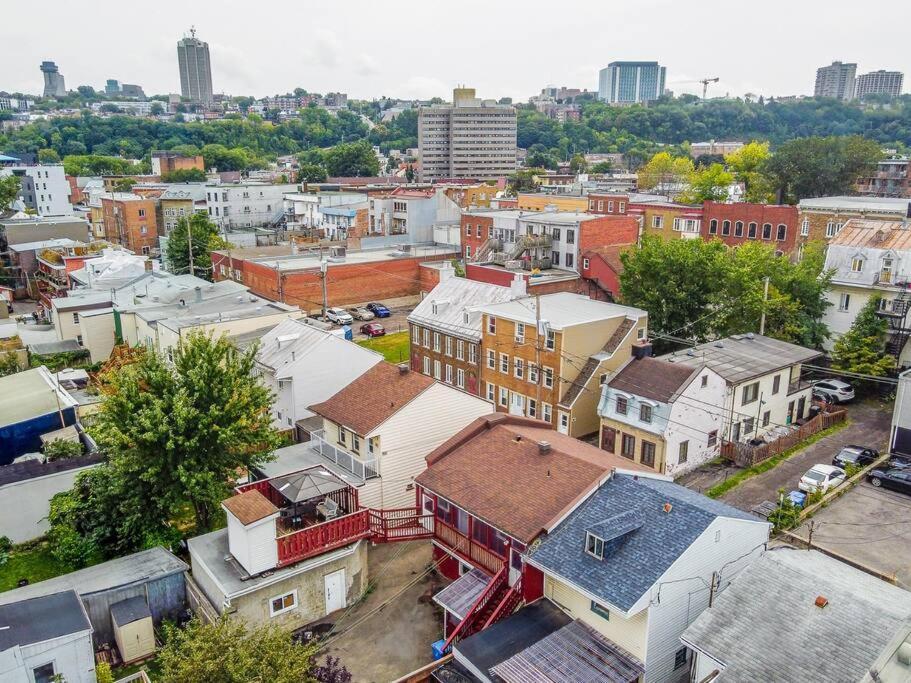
363	468
321	538
466	548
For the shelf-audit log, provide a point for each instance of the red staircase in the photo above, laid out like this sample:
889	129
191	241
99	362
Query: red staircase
400	524
496	602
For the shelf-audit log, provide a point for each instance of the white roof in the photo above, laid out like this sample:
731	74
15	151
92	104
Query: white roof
45	244
887	204
561	310
452	298
30	394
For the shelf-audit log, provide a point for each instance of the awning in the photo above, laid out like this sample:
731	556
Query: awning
461	594
298	487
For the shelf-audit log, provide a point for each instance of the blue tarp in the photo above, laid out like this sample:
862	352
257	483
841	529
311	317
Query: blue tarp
25	437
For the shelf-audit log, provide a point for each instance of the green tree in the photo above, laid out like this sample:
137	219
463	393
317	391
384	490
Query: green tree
523	180
203	233
707	184
230	652
156	109
540	159
312	173
48	156
9	362
125	185
9	191
184	175
748	164
61	449
862	349
578	164
351	159
602	167
664	172
409	173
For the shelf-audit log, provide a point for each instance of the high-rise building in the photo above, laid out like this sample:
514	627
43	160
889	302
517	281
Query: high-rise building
879	83
195	68
835	81
470	138
631	82
53	80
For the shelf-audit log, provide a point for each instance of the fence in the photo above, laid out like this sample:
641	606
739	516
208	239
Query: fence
363	469
747	455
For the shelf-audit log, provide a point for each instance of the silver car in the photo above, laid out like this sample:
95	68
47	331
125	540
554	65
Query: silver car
361	313
834	390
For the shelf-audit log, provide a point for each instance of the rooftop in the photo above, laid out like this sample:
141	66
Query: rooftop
884	235
652	378
36	620
561	310
743	356
636	559
281	257
878	204
463	471
445	306
32	469
30	394
766	626
249	507
60	243
373	397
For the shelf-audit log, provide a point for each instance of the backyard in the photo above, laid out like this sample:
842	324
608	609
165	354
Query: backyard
394	347
33	561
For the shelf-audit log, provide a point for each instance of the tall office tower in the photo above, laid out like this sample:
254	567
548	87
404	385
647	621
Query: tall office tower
195	68
470	138
631	82
879	83
53	80
835	81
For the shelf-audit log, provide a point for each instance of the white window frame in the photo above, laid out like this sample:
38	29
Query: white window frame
436	342
805	227
548	378
550	340
532	373
274	612
491	359
426	366
491	325
473	354
448	374
504	397
415	330
460	378
460	349
518	367
437	369
448	345
547	412
844	302
520	332
857	264
491	392
504	363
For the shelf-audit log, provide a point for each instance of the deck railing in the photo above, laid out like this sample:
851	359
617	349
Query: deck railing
399	524
467	548
321	538
472	623
364	468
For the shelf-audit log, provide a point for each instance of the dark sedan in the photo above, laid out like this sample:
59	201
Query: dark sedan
378	309
858	456
373	330
895	479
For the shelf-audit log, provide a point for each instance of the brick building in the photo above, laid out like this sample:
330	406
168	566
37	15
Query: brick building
610	203
353	277
168	162
665	219
734	224
130	221
822	218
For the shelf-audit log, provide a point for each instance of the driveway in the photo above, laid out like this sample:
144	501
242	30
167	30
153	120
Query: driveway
869	526
870	421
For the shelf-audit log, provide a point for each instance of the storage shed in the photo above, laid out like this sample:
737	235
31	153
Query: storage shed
134	631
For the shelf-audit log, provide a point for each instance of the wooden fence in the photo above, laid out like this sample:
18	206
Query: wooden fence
747	455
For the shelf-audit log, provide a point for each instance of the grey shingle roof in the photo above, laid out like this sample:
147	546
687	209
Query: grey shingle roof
765	626
36	620
632	564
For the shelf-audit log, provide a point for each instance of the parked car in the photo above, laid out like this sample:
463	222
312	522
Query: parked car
373	330
378	309
855	455
361	313
339	316
895	479
834	390
821	478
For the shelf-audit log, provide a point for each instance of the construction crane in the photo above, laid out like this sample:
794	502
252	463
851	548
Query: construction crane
705	84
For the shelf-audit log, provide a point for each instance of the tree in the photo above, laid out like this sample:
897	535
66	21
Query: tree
820	167
125	185
227	652
523	180
602	167
409	173
184	175
48	156
539	159
351	159
862	349
156	109
9	191
748	164
707	184
61	449
9	361
664	172
578	164
312	173
205	238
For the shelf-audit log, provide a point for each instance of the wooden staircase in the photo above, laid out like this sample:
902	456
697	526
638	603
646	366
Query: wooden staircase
496	602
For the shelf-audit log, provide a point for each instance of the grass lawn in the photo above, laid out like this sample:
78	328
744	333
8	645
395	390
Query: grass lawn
394	347
34	562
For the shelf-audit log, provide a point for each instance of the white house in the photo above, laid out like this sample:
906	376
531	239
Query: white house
44	637
408	215
871	257
322	209
43	188
382	425
246	205
303	365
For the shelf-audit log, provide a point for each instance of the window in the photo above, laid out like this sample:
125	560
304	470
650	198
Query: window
520	332
621	207
415	331
622	405
467	251
75	318
735	432
437	369
491	359
555	258
725	227
885	272
782	232
570	238
713	438
705	381
776	384
491	325
427	365
766	418
519	368
648	453
436	342
628	446
460	349
857	264
355	443
460	378
342	433
142	213
658	222
504	363
44	673
751	231
282	603
585	264
504	396
645	412
548	378
844	302
491	392
569	260
805	227
684	452
448	375
532	373
738	229
750	393
680	658
550	340
427	339
532	408
713	226
766	231
833	228
594	546
373	444
749	425
473	354
555	233
79	339
546	413
610	205
477	231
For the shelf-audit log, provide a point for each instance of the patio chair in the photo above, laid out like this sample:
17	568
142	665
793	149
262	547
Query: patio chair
328	509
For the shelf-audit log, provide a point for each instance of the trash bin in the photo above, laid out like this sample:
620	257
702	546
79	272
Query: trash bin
798	498
437	649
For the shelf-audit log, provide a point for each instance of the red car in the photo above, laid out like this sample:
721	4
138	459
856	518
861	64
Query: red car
373	330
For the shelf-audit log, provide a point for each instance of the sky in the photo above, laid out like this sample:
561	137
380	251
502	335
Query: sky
411	49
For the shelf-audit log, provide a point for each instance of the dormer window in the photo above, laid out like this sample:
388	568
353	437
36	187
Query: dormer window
857	264
594	545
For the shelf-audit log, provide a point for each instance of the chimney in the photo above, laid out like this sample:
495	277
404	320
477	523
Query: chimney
543	447
198	291
821	601
518	286
403	368
446	271
668	507
642	349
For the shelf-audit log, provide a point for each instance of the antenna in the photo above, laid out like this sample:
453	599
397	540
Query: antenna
193	35
705	84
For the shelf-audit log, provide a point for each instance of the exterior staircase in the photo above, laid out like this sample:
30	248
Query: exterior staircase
496	602
898	323
593	363
491	245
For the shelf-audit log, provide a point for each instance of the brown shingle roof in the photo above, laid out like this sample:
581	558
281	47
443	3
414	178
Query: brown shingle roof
373	397
610	254
652	378
250	506
494	469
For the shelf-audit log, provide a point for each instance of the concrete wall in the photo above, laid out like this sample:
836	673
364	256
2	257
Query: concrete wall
98	335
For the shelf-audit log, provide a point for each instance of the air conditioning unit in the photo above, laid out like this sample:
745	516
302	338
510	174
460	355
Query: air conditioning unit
337	254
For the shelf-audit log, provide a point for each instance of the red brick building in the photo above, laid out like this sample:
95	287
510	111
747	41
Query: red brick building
610	203
130	221
740	222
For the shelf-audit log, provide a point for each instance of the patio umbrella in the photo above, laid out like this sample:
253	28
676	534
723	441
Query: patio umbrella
298	487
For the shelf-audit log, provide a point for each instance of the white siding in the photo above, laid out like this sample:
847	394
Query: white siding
254	545
98	335
696	412
73	657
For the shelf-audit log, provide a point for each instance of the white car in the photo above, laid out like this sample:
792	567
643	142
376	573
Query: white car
339	316
821	478
834	390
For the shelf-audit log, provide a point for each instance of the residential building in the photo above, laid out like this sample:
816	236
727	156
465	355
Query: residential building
43	188
155	576
164	162
870	258
890	179
46	639
900	432
603	267
246	205
445	328
111	269
631	82
384	423
42	268
784	617
663	415
545	357
713	148
54	85
195	68
836	81
822	218
738	222
407	215
764	388
130	221
668	220
470	138
179	201
302	365
879	83
528	201
337	215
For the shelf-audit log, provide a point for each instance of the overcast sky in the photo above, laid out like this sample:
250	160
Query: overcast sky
422	49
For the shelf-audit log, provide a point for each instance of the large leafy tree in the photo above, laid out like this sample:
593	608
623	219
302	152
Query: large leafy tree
747	165
707	184
665	172
862	349
9	191
205	238
351	159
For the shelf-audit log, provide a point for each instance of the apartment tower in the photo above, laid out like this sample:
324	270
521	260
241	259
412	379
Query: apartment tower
53	80
631	82
879	83
195	68
835	81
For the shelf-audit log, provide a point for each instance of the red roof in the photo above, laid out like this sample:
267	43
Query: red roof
250	506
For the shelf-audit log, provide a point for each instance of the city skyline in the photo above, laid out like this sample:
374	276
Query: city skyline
387	52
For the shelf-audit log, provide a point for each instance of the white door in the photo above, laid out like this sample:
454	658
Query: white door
517	404
334	584
427	510
563	423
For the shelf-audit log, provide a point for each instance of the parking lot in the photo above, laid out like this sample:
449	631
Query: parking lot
867	525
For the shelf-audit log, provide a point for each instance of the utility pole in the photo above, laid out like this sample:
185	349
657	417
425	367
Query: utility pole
324	274
190	245
765	298
712	587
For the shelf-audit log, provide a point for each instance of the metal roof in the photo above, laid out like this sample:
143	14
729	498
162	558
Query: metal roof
880	204
30	394
45	244
560	310
884	235
451	299
36	620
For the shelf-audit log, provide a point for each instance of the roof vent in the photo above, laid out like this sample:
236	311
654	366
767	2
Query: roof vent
691	353
543	447
403	368
719	344
668	507
821	601
750	335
